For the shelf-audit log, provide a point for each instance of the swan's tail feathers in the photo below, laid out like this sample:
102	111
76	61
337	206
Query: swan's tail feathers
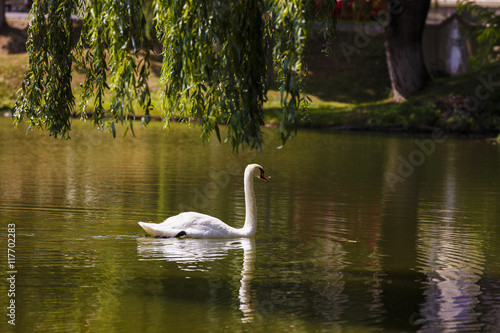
149	228
154	230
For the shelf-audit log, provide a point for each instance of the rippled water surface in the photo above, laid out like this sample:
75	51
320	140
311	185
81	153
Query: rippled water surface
356	232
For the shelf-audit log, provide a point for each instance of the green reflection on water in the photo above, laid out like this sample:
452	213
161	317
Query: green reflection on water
338	246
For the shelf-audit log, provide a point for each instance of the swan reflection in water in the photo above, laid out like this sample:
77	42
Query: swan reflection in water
193	254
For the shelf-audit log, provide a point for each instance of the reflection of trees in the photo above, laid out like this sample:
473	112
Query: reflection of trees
397	247
432	227
452	258
489	306
451	248
440	200
327	196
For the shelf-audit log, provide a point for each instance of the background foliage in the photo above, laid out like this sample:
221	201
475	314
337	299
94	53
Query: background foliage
486	31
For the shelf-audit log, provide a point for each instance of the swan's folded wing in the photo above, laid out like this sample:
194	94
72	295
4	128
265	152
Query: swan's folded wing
198	225
195	225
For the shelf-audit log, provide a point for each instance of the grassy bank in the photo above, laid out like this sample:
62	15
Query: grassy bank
354	93
348	93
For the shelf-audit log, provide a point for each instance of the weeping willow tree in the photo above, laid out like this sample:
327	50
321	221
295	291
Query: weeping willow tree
215	62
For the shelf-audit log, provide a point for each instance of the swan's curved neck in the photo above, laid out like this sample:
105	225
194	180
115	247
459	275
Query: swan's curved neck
251	208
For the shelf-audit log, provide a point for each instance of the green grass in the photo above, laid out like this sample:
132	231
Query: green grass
12	69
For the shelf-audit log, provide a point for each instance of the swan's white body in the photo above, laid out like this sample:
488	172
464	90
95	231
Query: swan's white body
196	225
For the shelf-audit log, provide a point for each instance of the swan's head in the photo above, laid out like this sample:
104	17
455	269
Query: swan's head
256	171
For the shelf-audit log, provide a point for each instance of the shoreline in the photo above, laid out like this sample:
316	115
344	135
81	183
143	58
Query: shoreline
492	137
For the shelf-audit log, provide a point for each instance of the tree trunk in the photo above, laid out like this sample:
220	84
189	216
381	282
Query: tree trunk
403	46
3	21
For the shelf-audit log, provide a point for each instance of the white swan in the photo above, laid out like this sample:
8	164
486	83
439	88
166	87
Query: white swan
196	225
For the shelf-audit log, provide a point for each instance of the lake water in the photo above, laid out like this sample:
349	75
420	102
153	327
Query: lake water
356	232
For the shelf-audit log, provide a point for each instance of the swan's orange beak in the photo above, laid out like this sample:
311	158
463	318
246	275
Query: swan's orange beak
262	175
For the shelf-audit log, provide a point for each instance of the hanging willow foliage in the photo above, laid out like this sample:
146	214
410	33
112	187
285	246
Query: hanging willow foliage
215	62
46	98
